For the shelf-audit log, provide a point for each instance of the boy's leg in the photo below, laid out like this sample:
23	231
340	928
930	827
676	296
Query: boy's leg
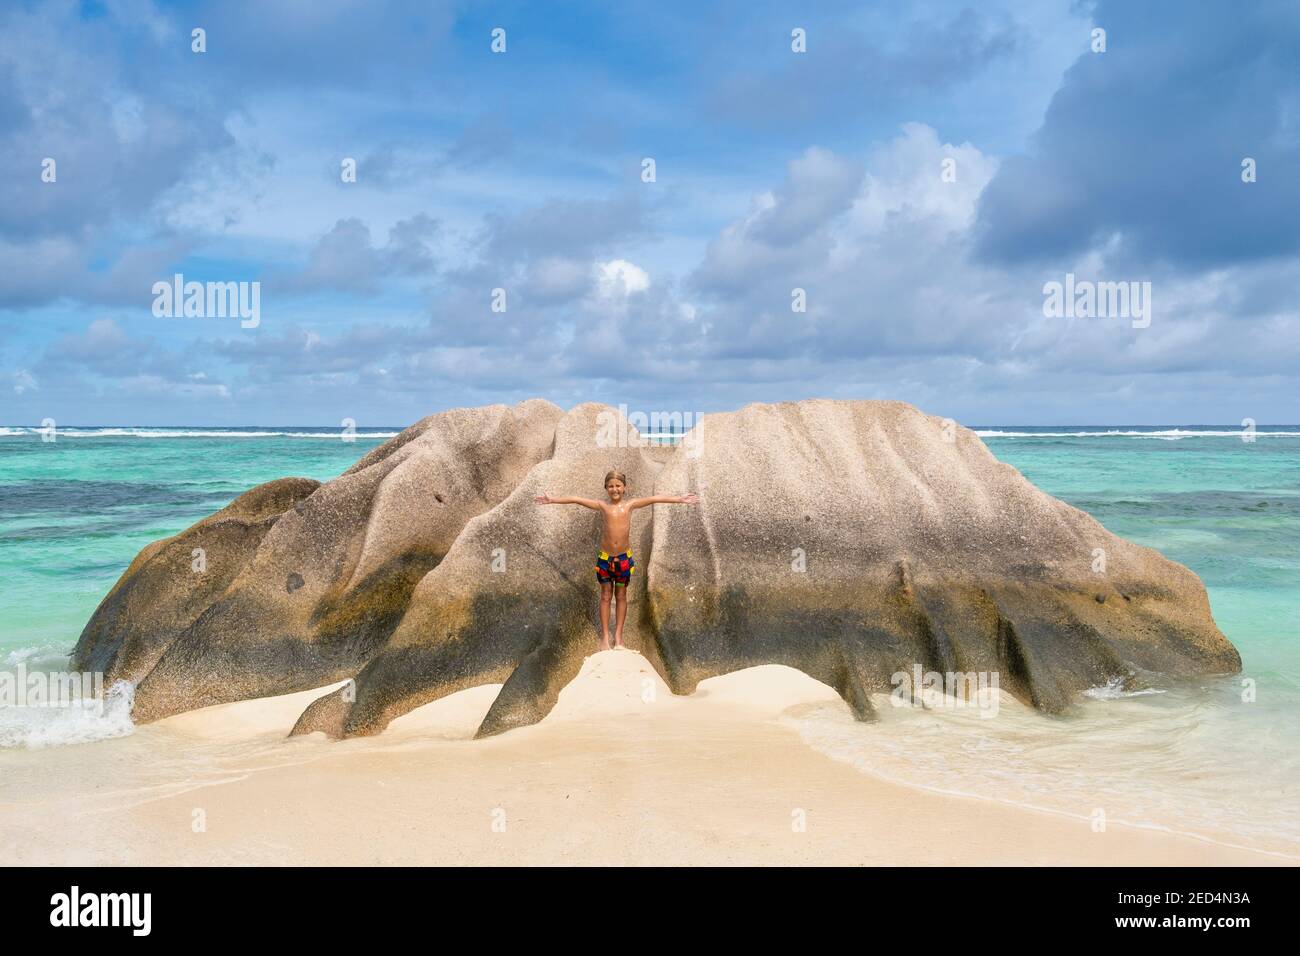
620	613
605	590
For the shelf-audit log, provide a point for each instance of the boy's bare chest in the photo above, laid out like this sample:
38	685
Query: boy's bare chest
618	515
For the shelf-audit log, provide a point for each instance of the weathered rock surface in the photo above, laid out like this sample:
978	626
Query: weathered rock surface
161	594
313	577
851	540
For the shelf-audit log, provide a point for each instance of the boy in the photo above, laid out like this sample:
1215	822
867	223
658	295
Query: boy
614	564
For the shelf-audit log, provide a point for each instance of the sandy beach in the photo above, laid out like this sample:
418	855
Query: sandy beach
621	772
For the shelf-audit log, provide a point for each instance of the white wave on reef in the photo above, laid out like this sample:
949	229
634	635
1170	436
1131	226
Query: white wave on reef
34	728
1169	434
13	431
1166	434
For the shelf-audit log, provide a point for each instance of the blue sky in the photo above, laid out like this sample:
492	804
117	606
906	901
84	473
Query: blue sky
522	170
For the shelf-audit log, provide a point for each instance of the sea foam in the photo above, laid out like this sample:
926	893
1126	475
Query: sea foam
35	728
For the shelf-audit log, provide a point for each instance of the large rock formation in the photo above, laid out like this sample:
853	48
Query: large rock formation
304	581
851	540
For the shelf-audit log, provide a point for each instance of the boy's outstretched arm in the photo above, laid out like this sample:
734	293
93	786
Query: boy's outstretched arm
665	500
545	499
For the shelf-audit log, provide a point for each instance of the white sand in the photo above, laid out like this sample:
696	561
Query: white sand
620	772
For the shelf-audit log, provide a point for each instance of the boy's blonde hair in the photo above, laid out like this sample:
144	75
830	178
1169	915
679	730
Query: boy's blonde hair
617	475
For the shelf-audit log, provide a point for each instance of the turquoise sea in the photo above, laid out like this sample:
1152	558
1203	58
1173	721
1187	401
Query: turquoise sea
1197	758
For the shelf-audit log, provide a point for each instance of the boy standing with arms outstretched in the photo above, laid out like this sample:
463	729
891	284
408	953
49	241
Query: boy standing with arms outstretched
614	564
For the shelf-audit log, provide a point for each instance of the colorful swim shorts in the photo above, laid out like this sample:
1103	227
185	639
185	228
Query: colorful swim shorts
616	570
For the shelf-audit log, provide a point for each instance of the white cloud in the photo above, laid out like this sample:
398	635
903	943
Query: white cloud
618	279
24	381
557	279
905	179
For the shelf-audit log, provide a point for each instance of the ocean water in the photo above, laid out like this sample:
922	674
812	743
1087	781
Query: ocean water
75	511
1194	758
